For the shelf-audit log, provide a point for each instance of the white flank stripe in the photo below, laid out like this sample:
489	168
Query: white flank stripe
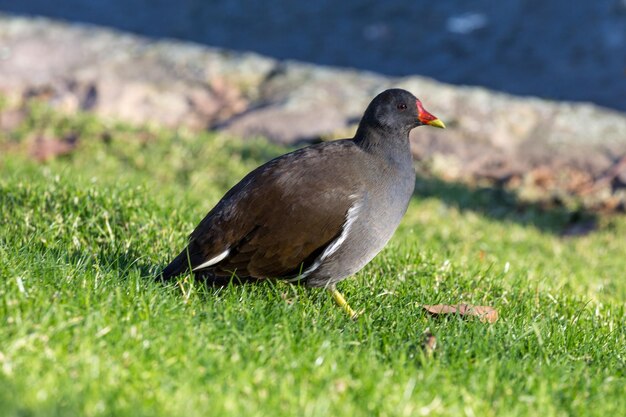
213	261
351	216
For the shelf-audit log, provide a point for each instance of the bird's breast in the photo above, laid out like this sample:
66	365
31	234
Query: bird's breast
374	217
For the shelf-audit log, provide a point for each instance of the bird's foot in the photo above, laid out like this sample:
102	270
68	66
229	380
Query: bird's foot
341	302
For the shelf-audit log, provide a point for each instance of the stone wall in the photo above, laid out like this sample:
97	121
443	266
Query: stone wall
539	148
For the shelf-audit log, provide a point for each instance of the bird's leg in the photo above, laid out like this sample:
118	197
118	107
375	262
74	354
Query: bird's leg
341	301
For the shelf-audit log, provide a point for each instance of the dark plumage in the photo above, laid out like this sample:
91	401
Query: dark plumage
316	215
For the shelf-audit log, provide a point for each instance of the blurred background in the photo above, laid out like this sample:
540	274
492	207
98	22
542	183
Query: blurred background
555	49
533	91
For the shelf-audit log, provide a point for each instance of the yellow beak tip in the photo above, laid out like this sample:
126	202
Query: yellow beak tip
437	123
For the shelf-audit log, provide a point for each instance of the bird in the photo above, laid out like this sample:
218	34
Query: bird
317	215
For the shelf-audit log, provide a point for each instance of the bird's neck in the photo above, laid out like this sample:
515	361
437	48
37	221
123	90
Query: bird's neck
392	144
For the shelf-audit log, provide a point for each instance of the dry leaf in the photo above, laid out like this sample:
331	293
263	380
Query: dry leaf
484	313
46	148
11	119
286	298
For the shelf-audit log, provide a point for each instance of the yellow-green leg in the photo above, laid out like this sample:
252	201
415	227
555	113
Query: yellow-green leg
341	302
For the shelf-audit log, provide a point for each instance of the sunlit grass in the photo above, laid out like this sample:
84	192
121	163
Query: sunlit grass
87	331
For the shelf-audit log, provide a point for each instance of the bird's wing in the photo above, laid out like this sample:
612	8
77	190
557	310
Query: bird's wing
280	217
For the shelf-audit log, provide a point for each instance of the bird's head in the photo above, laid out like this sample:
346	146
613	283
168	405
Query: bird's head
397	109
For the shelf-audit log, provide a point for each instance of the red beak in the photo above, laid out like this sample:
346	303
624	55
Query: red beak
426	118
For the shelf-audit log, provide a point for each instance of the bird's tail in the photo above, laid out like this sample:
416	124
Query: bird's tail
178	266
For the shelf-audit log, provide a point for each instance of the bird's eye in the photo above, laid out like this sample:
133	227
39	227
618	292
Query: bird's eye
401	106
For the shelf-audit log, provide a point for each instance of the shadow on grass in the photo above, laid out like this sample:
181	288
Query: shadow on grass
127	261
504	205
121	262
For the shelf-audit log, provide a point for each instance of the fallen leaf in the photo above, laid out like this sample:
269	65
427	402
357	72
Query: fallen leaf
11	119
46	148
286	298
484	313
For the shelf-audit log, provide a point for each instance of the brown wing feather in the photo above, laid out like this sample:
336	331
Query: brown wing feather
281	216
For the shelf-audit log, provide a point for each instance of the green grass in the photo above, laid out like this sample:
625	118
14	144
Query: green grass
86	331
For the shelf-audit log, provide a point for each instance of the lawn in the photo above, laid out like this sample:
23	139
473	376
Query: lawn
86	330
